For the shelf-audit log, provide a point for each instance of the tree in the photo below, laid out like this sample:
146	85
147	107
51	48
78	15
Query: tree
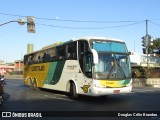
155	48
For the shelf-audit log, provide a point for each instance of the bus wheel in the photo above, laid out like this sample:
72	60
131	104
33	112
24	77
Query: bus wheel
72	92
33	84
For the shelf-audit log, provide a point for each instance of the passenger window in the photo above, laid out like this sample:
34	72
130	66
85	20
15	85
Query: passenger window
71	51
61	52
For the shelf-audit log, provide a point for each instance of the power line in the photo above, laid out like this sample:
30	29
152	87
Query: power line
85	21
67	20
130	23
12	15
154	23
68	27
6	33
155	19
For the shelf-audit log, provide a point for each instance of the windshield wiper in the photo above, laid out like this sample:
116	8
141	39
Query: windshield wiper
112	69
109	74
121	69
114	66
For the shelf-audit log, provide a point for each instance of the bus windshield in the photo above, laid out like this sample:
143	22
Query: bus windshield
113	60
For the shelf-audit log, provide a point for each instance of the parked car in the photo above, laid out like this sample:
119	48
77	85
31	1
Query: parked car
1	93
2	80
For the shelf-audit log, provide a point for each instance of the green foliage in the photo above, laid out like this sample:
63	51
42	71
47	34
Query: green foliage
155	46
141	72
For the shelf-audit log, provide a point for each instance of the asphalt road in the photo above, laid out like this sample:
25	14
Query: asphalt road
19	98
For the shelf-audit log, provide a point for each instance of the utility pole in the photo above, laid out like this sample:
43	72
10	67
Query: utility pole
147	46
147	41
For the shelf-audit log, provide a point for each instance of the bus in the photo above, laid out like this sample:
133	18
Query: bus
93	66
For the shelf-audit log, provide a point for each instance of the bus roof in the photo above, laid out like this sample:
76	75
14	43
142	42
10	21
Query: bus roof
52	45
98	38
76	39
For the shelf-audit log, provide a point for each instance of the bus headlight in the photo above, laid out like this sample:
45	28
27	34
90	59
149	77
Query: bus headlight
99	86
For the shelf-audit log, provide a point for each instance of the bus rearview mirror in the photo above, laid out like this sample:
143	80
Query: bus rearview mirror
95	56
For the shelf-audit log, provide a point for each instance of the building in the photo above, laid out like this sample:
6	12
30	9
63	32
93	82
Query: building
4	69
135	59
18	65
141	60
9	68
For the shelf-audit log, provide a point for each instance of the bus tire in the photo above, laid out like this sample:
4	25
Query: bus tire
33	85
72	92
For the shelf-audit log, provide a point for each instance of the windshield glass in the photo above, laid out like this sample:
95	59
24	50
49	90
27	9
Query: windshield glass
113	61
109	46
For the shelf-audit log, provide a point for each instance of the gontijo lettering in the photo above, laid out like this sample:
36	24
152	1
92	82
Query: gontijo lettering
38	68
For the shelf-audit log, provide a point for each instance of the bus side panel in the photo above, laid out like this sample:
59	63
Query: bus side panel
51	70
72	72
56	76
64	72
37	72
54	72
53	79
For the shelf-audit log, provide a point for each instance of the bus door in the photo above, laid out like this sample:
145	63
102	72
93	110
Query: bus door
85	61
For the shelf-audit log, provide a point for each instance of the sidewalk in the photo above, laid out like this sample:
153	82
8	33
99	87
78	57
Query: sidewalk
143	82
144	89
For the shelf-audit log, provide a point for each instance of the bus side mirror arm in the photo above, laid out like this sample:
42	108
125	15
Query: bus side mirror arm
95	56
129	53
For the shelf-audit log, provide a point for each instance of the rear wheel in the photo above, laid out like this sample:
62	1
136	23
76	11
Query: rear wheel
33	84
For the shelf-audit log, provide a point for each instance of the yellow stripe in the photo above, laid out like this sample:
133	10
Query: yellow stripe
112	83
37	71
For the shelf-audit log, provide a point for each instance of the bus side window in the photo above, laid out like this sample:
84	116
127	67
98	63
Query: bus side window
71	51
61	52
26	60
44	57
30	59
53	54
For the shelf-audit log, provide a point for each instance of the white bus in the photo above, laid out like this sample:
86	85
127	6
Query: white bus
92	66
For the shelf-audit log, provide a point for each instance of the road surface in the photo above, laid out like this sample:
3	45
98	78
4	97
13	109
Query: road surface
19	98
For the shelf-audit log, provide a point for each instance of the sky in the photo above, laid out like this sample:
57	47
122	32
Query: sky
62	20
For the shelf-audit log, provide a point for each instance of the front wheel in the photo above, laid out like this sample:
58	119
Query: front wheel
72	93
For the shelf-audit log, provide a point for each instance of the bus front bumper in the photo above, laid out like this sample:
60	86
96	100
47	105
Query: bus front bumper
108	91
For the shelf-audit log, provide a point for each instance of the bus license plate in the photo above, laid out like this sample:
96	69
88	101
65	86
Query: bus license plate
116	91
